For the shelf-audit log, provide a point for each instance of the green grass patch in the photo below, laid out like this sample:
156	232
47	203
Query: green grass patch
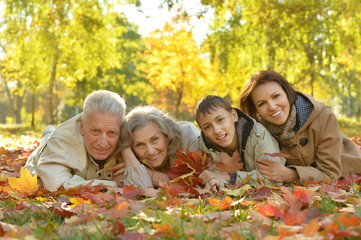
349	127
20	129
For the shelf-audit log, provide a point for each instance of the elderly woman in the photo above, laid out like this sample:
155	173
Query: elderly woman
149	140
306	129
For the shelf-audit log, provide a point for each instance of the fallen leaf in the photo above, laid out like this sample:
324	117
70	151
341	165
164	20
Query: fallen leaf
27	183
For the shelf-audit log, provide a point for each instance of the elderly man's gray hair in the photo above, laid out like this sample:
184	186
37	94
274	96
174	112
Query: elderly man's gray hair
103	101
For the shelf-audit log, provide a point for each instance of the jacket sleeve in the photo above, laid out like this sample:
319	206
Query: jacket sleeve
260	142
327	150
56	167
138	176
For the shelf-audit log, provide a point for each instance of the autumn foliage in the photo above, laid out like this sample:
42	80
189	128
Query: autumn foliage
178	210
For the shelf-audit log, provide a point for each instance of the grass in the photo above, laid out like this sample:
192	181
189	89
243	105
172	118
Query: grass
350	128
20	129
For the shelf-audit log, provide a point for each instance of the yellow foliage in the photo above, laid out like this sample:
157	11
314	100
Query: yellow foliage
26	183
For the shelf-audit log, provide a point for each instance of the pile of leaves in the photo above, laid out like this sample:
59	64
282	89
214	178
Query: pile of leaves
249	210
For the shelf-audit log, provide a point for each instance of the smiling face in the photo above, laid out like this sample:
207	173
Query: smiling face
101	134
219	127
150	145
271	102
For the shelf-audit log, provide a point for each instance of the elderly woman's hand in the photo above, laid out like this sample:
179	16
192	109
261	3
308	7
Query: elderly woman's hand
129	157
214	179
158	177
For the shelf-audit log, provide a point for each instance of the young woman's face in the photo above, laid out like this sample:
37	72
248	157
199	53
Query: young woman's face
271	102
219	127
150	145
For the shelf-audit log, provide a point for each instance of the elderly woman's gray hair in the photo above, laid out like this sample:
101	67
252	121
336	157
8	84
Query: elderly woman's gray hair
103	101
140	116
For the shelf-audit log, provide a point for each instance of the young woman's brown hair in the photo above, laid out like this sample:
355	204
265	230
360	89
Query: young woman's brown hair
260	78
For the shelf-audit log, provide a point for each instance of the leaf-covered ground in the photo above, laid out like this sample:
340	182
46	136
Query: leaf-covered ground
259	210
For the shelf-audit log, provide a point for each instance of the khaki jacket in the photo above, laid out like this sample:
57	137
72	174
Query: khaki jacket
139	175
62	159
328	153
258	141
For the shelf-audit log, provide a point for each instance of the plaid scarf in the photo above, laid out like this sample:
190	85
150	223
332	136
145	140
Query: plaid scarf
285	131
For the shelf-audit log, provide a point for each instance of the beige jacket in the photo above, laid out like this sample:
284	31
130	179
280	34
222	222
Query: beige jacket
62	159
139	175
328	153
258	141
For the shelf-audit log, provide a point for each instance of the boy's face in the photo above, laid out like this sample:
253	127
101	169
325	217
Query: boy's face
219	127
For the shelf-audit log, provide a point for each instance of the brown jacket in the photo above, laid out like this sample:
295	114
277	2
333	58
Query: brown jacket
327	153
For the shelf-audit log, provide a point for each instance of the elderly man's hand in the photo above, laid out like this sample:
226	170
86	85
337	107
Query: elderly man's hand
118	173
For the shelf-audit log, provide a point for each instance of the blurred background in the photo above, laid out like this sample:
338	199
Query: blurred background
171	53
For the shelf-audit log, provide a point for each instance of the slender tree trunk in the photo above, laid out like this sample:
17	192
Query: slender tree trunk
19	104
358	100
178	102
8	94
51	90
349	95
33	109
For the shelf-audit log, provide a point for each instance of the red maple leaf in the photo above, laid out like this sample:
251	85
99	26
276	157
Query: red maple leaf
187	167
131	192
270	211
277	155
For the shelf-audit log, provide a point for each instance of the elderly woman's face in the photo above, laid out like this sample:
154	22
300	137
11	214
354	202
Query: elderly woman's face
150	145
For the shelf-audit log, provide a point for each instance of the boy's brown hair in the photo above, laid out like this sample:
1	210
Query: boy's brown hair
209	103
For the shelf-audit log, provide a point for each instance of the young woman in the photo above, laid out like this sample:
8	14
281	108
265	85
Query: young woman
306	129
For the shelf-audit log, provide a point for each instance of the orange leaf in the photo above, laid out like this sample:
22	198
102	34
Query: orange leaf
311	228
164	228
270	211
352	221
220	204
26	183
284	233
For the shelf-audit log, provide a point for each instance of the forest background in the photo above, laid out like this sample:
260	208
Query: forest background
54	53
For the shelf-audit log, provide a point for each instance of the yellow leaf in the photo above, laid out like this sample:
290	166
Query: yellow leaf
26	183
78	201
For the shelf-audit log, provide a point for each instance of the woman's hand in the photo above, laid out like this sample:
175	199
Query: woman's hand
158	177
129	157
211	179
275	171
118	173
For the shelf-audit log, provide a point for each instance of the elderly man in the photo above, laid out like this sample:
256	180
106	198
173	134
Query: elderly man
82	149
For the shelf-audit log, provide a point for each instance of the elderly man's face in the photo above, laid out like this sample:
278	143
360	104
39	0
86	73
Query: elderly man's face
101	134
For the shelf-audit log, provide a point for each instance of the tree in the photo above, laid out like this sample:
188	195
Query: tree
175	64
61	43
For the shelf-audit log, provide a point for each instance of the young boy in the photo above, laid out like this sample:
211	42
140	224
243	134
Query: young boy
234	140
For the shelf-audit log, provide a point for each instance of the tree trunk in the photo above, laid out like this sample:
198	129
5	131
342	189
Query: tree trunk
19	104
178	102
33	109
358	100
51	89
